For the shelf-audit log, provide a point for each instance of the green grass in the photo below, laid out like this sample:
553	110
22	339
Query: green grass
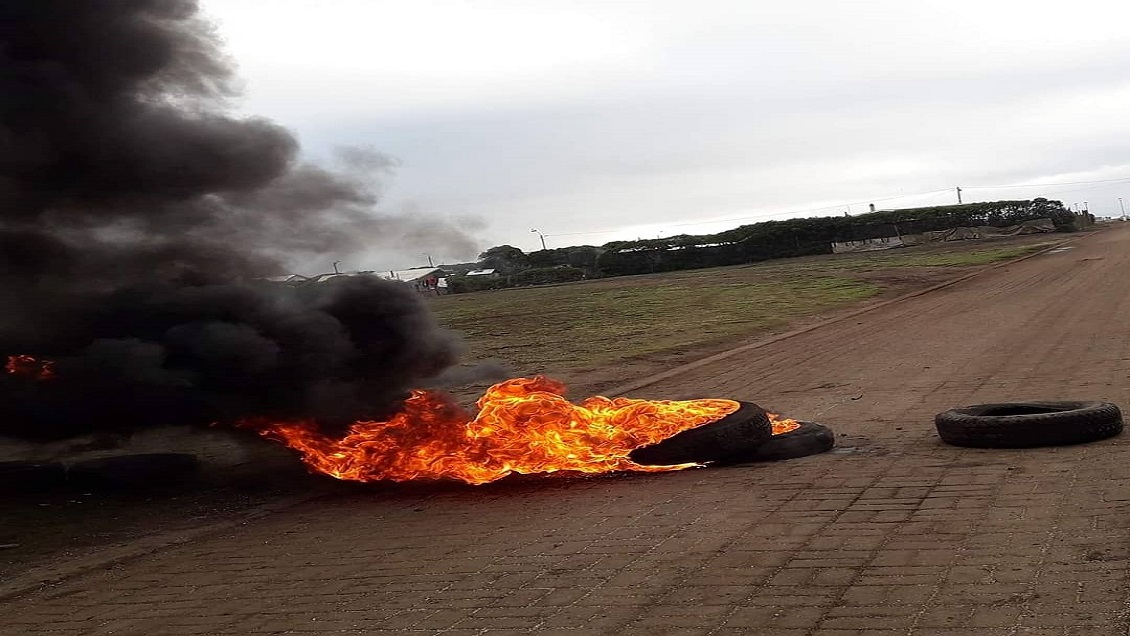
565	329
959	258
574	327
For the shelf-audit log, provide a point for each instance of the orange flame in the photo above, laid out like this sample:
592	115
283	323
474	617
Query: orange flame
29	367
782	425
523	426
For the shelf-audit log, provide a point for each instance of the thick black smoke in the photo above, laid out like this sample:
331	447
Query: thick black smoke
137	212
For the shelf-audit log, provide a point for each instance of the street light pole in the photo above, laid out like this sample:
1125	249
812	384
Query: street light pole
541	236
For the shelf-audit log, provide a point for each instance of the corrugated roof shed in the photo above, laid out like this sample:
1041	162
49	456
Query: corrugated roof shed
410	275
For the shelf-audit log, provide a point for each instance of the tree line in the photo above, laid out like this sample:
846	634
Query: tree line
746	244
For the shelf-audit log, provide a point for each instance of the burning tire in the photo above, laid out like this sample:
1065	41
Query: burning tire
1028	424
810	439
734	436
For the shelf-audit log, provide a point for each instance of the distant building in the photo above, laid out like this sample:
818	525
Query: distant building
321	278
489	273
412	276
288	278
421	278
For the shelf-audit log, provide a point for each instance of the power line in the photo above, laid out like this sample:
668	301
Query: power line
839	206
584	233
1056	193
1042	185
879	200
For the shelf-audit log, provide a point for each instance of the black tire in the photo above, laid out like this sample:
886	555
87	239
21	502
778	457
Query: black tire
1028	424
734	435
128	472
810	439
19	477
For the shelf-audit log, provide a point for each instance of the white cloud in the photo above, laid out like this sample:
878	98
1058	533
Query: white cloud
634	116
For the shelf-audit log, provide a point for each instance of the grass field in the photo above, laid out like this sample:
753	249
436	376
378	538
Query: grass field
583	332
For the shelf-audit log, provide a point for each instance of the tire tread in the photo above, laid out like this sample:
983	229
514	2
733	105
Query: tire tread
716	441
1085	422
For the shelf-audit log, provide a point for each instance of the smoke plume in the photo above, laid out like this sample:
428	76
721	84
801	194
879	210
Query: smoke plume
137	213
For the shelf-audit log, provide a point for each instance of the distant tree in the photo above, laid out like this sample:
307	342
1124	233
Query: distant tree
507	259
546	258
580	256
466	284
547	275
1063	219
584	257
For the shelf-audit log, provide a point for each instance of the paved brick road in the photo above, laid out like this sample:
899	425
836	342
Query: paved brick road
893	533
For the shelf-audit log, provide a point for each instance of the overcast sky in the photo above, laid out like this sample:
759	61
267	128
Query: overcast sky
605	120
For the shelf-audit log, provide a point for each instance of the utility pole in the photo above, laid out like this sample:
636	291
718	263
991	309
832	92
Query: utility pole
959	196
542	237
430	264
335	267
1122	207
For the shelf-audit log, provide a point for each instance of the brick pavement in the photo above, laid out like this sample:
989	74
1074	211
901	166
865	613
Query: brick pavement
892	533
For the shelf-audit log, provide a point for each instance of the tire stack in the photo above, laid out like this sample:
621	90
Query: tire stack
746	435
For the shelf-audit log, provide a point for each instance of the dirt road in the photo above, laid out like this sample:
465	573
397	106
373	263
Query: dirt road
892	533
1052	325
